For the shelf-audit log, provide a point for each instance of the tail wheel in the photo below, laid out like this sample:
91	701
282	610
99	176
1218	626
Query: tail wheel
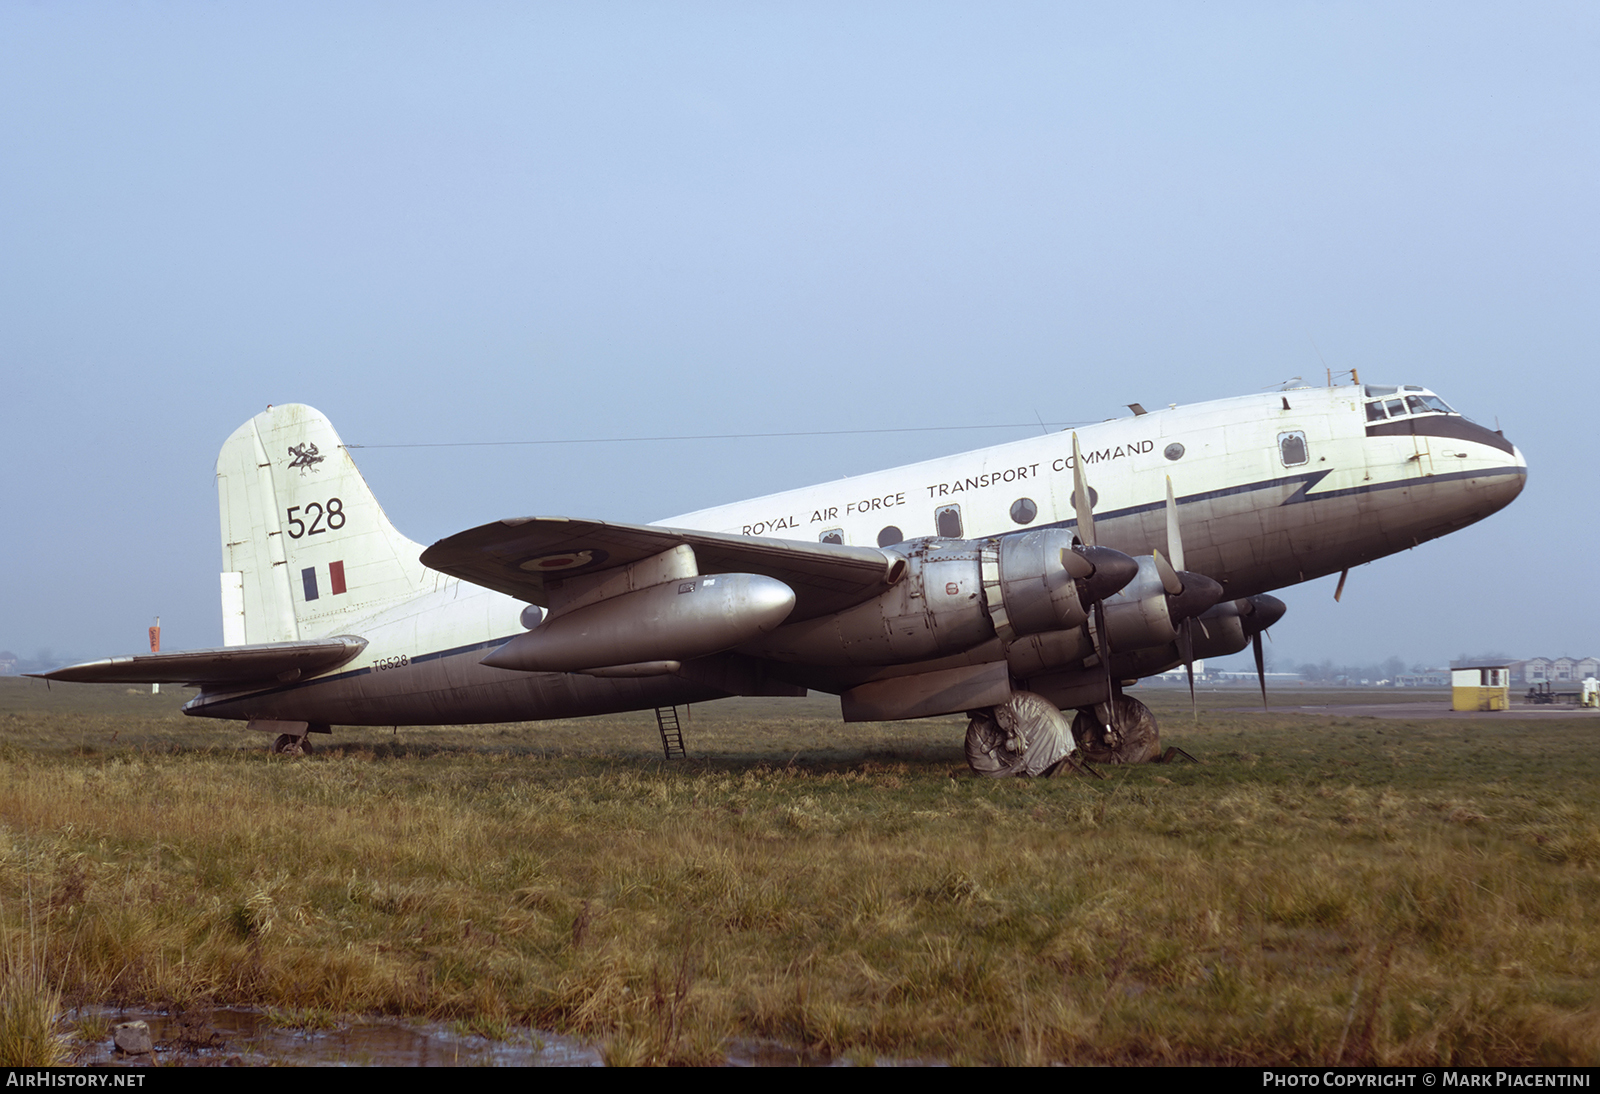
1135	740
288	744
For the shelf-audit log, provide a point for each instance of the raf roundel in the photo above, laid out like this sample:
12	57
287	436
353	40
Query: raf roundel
566	560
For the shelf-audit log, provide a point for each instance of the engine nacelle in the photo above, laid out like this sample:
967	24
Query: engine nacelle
1147	613
1026	584
935	609
1143	616
1138	616
957	594
1223	629
1039	582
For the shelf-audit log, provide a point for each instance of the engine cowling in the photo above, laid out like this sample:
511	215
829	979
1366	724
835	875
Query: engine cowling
1223	629
1146	612
1039	582
935	609
957	594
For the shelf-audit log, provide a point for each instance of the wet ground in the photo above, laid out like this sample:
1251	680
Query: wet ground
239	1037
249	1038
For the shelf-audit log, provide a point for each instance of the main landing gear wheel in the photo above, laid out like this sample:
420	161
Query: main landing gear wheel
288	744
1026	735
1135	740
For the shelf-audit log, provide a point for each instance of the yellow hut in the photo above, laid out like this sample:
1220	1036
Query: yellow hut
1485	686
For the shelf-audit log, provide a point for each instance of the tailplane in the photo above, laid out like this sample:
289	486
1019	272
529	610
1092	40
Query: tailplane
305	545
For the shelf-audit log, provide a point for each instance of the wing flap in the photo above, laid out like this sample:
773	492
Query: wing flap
265	661
524	557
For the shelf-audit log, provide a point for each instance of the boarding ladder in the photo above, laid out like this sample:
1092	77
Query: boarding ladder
671	732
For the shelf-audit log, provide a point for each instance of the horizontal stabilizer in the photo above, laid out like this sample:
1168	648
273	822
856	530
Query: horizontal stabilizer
280	661
523	557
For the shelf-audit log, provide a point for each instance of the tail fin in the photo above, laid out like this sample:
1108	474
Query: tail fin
305	545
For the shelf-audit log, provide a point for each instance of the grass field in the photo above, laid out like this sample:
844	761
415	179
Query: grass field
1319	889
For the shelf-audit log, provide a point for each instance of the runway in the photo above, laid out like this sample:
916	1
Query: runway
1415	711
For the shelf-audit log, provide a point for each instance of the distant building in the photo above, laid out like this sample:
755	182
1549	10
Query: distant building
1538	670
1428	678
8	663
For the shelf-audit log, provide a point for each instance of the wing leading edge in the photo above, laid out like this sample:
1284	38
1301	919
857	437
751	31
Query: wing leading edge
527	557
267	661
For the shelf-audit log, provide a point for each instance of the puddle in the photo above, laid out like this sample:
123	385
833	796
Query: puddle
239	1037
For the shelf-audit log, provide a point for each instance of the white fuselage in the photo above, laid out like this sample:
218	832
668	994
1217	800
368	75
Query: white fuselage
1228	470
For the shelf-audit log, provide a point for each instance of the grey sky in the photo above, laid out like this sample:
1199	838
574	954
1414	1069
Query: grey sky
502	221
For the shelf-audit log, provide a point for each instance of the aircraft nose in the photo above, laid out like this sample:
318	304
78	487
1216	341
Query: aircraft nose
1509	486
1489	442
1500	487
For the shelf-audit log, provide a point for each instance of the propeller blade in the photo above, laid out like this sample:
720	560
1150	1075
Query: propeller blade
1077	566
1170	581
1261	668
1102	639
1080	497
1104	650
1186	649
1174	536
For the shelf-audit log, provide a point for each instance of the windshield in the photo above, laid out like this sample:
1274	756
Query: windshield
1388	402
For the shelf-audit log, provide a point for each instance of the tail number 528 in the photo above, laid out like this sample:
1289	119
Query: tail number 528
321	518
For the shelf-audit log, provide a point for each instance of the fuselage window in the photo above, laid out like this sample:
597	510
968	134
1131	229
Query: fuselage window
1023	510
832	535
947	521
889	536
1292	448
1173	451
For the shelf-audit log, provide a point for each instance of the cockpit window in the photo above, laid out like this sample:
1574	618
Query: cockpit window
1379	409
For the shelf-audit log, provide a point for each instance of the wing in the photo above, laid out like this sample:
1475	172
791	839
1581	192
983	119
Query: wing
281	661
519	556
